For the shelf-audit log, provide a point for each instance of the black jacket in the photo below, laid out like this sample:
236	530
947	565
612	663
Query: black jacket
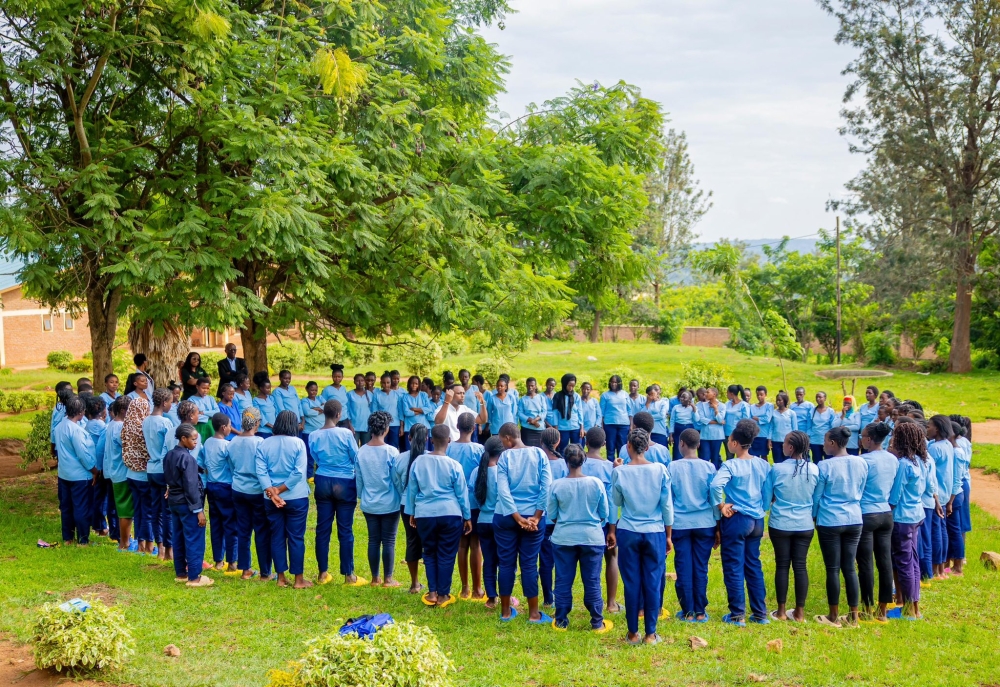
226	373
180	472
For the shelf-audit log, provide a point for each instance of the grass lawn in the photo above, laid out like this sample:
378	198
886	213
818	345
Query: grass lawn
234	632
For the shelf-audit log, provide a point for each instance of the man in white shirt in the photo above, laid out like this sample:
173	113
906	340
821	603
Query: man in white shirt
454	405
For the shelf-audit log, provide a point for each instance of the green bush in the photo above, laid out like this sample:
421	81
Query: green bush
782	340
480	343
121	362
880	348
59	359
359	354
20	401
453	344
421	358
325	353
668	327
627	374
981	360
210	362
37	448
943	348
96	639
492	367
399	655
286	356
80	366
701	373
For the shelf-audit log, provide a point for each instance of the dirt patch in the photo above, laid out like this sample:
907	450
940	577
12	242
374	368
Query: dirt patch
10	458
17	667
986	432
106	593
986	492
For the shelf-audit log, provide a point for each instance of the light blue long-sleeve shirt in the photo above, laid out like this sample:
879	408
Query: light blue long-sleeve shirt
590	413
614	408
408	404
837	499
243	400
334	451
579	507
437	488
882	469
108	400
217	465
333	393
803	413
287	399
782	424
359	409
788	494
268	410
157	430
377	491
471	401
242	456
681	415
853	423
762	415
660	410
531	408
559	469
963	455
643	494
487	508
654	454
930	477
311	412
97	428
467	454
207	407
75	448
573	421
281	460
58	413
820	422
711	423
740	481
501	411
602	469
867	414
691	492
523	478
635	405
551	418
906	497
114	467
387	401
949	480
734	413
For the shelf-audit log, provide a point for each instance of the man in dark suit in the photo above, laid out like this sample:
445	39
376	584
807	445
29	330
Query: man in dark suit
229	367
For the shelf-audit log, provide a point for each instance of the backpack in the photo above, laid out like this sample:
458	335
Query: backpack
366	626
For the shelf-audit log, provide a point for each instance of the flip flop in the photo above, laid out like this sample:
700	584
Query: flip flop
694	619
513	614
325	578
360	582
232	573
847	623
426	602
664	614
253	574
730	620
636	642
559	629
773	615
824	620
449	602
756	620
606	627
897	614
544	619
181	580
481	600
679	615
656	640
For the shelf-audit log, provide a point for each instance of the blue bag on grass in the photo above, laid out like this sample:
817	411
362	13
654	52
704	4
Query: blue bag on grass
367	625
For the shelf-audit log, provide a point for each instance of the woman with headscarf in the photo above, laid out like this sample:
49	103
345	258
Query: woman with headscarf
566	405
850	418
136	457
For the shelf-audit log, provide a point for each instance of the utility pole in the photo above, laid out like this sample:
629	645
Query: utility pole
838	290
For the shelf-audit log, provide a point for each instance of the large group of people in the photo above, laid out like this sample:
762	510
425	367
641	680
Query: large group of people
550	483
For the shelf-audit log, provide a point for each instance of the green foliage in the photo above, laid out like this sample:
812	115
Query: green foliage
880	348
210	361
80	366
492	367
668	327
942	348
323	353
289	355
704	373
398	655
981	360
97	639
699	305
422	357
19	401
480	342
453	344
37	447
121	360
359	354
783	340
626	373
60	360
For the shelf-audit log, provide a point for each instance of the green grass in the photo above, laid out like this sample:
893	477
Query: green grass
234	632
986	456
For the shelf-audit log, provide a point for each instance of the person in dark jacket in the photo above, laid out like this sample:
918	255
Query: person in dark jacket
186	499
229	367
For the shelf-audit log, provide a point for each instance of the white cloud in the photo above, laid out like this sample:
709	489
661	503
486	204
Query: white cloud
756	86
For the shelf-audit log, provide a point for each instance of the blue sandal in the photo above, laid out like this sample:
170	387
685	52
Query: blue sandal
730	620
513	614
543	620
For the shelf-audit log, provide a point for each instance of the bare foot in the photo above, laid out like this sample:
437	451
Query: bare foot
219	566
478	594
614	607
389	582
465	593
492	603
442	600
416	589
247	574
376	581
302	584
432	597
232	568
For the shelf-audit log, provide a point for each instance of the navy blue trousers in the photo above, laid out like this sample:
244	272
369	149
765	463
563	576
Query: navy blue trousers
288	534
440	537
188	542
740	547
546	564
589	559
160	517
759	447
642	564
617	436
222	520
675	452
517	546
817	452
956	540
658	438
336	499
692	550
569	436
711	450
939	539
925	545
251	520
76	499
488	545
142	509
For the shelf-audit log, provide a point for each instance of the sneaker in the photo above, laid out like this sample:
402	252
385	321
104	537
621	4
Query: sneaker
202	581
133	545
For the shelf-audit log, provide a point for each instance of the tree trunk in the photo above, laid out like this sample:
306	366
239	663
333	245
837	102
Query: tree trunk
253	336
102	321
656	293
165	347
960	359
595	331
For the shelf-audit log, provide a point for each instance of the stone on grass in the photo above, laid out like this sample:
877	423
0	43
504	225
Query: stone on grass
171	650
775	646
991	559
696	642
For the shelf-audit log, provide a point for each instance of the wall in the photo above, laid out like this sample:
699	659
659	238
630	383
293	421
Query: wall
25	343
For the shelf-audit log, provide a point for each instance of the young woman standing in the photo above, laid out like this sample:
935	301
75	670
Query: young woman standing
531	412
761	413
501	406
850	419
483	481
803	410
949	485
386	399
614	411
783	423
876	515
596	466
682	417
551	441
414	547
736	409
636	402
566	406
820	422
379	498
659	408
868	412
590	409
710	416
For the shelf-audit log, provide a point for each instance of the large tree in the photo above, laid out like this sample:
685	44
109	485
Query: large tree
925	107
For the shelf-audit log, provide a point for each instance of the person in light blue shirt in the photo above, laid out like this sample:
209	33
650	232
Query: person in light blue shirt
788	494
579	506
414	547
117	474
64	390
820	422
468	455
281	470
414	408
736	409
438	497
837	510
229	408
909	488
590	408
932	506
642	533
949	486
359	409
243	396
868	412
659	408
103	519
532	410
251	517
501	407
110	393
265	404
802	409
737	492
551	441
551	418
636	402
76	469
566	412
597	466
207	407
877	524
783	423
655	453
962	427
335	453
380	498
219	492
311	419
483	500
710	418
849	418
761	413
614	415
695	531
286	396
158	431
386	399
523	479
336	391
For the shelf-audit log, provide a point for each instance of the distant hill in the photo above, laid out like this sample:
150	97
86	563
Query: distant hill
753	247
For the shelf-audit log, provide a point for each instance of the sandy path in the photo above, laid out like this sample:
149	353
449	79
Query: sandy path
986	432
986	492
17	667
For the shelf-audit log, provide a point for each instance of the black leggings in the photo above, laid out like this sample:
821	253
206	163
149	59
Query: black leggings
876	536
382	528
790	551
414	547
840	550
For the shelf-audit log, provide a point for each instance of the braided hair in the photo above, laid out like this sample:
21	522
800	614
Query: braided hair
910	442
491	449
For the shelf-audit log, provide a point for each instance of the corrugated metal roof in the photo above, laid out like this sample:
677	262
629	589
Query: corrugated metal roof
8	272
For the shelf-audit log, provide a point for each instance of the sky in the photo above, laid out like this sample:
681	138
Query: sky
756	85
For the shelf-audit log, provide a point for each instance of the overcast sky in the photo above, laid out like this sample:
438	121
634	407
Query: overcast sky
756	85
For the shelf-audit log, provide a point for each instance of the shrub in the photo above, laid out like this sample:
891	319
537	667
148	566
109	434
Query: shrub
668	327
286	356
359	354
943	348
80	366
121	362
453	344
783	339
324	353
5	371
59	359
480	343
19	401
95	639
37	448
879	348
210	362
493	367
398	655
421	358
698	373
981	360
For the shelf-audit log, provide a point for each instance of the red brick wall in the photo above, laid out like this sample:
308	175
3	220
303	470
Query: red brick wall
26	344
